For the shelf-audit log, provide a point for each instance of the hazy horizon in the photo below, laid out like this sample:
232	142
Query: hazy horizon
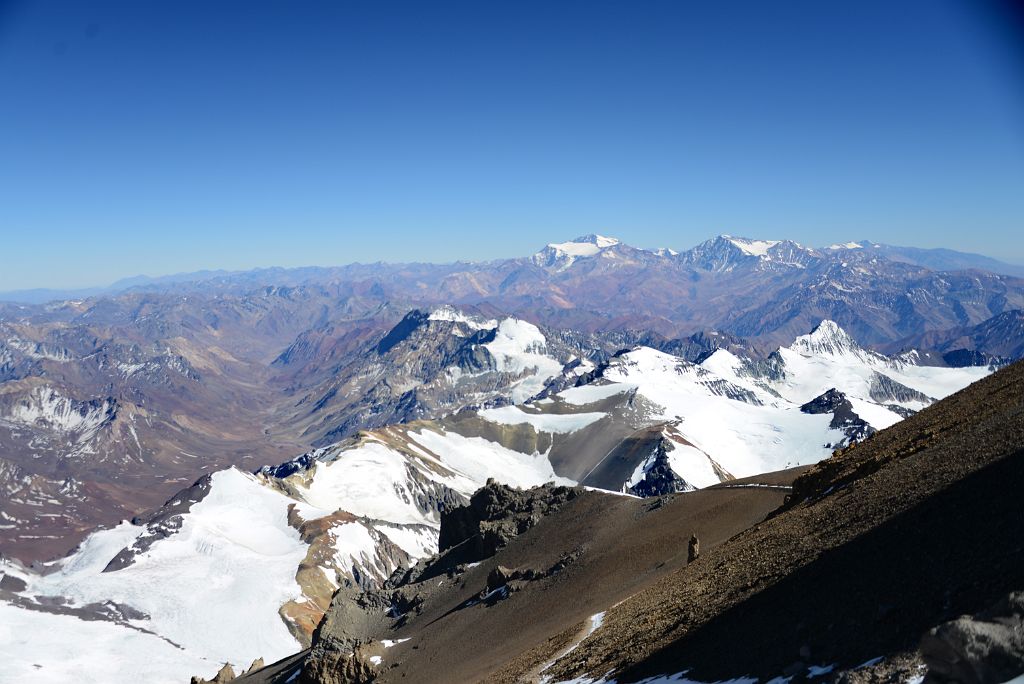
227	271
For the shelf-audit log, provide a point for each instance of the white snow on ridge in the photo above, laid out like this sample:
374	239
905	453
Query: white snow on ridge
48	407
576	249
829	357
744	438
369	480
477	460
54	649
749	421
877	416
542	422
213	588
584	246
564	254
418	542
692	465
449	313
752	247
846	245
589	394
518	347
355	548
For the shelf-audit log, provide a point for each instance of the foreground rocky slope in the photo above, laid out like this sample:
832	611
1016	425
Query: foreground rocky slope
522	576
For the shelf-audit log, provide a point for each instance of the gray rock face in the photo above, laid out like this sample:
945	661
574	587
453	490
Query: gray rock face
985	649
494	515
497	513
659	478
884	389
224	675
843	416
423	367
161	523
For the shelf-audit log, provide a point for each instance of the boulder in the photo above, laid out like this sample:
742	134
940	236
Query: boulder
985	649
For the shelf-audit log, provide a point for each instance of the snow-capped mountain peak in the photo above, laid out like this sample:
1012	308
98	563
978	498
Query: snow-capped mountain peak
563	254
726	252
828	338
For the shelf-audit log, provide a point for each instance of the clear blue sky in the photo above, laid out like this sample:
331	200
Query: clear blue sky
156	137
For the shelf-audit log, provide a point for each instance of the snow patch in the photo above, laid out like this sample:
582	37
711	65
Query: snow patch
752	247
589	394
520	347
542	422
449	313
214	587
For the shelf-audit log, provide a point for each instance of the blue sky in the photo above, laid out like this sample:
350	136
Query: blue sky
157	137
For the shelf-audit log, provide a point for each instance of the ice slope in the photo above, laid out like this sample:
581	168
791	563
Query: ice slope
476	460
45	648
748	419
752	247
518	347
592	393
542	422
712	414
377	479
828	357
564	254
214	587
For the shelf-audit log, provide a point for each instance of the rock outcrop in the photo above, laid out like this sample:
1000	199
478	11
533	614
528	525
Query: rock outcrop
497	513
987	648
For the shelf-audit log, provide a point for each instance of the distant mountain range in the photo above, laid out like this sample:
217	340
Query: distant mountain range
767	290
557	255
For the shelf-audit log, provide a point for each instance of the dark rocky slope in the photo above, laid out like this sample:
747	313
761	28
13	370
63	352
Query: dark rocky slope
522	573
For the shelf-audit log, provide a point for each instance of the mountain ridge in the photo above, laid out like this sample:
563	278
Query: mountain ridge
938	259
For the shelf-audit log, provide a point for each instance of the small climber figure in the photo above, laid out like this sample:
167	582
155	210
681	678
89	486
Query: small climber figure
694	548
